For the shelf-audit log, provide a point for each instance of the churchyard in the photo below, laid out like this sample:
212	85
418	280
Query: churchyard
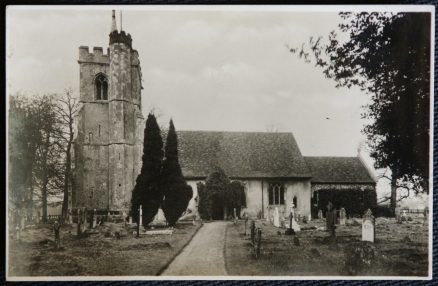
399	249
107	250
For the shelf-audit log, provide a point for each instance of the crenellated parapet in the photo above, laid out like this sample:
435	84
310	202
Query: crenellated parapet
97	56
120	37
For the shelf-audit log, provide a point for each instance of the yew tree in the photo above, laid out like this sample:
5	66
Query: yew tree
147	191
177	193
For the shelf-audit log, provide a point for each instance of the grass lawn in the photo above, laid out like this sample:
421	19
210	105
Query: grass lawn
95	255
400	250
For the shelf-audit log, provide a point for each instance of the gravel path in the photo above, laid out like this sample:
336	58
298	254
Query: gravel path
204	255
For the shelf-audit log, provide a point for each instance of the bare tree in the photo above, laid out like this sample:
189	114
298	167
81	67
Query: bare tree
66	109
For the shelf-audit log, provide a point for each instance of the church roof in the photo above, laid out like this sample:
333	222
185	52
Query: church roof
338	170
241	154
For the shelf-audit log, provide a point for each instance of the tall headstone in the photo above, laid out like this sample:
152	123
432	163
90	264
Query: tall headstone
130	219
404	215
140	215
330	219
94	219
84	222
368	227
342	216
276	218
320	216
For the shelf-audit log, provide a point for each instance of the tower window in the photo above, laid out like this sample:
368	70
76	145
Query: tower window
101	87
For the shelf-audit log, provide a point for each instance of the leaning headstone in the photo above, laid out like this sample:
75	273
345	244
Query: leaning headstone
320	214
276	218
368	226
342	216
330	219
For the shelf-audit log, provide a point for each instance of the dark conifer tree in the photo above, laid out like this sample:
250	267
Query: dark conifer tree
147	191
177	193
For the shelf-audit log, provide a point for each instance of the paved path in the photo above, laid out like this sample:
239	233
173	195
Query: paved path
204	255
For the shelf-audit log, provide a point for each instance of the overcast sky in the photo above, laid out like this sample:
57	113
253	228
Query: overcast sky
208	70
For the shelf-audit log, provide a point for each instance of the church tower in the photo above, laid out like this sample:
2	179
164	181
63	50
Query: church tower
108	145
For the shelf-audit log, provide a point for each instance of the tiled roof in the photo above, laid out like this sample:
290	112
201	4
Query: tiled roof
241	154
338	170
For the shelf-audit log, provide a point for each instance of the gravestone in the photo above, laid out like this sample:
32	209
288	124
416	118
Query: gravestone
404	216
37	219
56	227
84	222
330	219
235	216
140	215
23	222
426	214
368	227
342	216
276	218
130	219
70	217
320	214
94	224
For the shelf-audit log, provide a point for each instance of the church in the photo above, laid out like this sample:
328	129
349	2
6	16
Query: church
109	141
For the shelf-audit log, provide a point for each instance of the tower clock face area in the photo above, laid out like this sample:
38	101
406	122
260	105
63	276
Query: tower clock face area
109	123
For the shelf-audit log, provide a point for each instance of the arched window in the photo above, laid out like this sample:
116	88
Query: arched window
101	87
276	194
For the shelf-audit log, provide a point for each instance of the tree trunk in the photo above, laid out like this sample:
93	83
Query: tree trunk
66	181
45	178
393	202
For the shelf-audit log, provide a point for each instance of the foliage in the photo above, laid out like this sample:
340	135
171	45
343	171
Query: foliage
177	193
359	257
147	192
387	56
35	153
204	202
382	211
219	191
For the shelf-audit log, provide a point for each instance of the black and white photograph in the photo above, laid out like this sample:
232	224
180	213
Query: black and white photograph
219	142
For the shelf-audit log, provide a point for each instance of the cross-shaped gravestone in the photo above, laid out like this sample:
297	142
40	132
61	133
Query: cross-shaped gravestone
368	227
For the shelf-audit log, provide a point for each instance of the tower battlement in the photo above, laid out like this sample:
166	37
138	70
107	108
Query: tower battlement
120	37
97	56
